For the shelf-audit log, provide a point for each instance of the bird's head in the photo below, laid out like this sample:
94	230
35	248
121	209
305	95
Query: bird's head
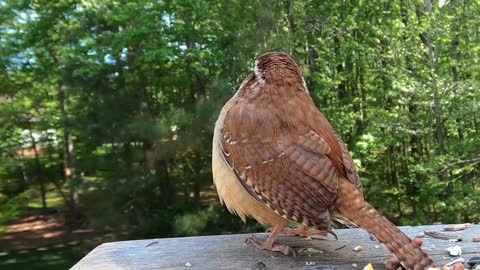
278	68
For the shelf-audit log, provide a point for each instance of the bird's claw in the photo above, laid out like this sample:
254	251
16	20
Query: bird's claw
259	244
332	233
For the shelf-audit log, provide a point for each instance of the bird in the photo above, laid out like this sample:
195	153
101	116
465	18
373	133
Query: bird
276	158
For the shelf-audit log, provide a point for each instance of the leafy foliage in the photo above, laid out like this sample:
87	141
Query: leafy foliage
124	96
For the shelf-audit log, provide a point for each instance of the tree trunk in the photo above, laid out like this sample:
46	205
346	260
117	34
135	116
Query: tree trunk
163	177
128	156
432	64
196	182
68	147
38	168
360	92
196	190
68	155
289	12
454	66
341	88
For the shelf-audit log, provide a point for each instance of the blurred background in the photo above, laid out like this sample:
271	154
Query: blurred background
107	111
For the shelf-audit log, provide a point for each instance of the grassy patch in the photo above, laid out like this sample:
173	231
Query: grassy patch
51	258
10	209
54	200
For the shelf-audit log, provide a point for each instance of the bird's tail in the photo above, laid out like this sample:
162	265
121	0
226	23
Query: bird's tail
352	206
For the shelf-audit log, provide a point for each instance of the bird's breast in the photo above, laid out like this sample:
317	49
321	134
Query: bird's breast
231	192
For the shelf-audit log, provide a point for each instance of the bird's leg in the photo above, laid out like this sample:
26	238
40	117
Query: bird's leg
269	244
304	231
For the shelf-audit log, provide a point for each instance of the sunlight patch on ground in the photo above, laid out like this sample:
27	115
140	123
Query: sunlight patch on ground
28	224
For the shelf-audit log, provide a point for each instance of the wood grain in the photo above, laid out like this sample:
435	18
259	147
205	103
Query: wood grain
230	252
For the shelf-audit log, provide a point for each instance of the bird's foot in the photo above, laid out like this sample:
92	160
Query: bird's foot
270	246
304	231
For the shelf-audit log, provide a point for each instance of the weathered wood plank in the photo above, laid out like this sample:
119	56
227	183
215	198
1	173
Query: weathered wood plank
230	252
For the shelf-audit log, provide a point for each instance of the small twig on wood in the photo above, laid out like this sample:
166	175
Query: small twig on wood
152	243
443	236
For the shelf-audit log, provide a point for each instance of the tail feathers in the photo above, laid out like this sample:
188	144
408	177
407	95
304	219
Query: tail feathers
351	205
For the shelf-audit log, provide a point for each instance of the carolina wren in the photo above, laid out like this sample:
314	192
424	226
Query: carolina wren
277	159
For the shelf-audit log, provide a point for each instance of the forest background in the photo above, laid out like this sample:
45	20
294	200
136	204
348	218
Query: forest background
107	107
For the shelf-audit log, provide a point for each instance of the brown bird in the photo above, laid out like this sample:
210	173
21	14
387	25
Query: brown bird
277	159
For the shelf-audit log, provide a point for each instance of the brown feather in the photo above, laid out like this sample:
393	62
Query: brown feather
284	155
352	206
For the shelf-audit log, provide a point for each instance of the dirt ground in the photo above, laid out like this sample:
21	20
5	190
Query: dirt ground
35	229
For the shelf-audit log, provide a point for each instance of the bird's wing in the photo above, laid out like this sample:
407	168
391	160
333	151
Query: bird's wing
349	166
281	161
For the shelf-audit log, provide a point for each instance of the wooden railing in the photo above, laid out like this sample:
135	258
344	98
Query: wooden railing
230	252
